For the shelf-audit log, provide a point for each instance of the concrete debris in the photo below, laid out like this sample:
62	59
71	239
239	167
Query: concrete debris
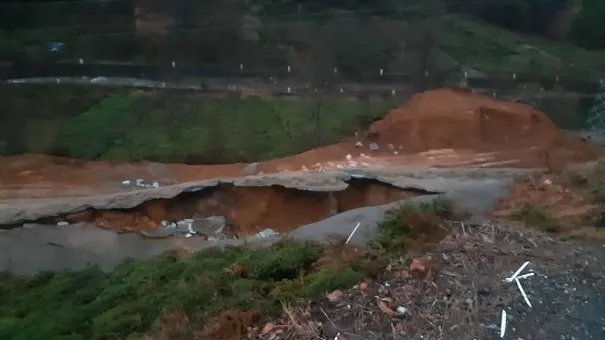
358	144
141	184
210	226
374	147
62	224
348	157
267	233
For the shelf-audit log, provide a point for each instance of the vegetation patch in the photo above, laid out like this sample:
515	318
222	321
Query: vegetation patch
411	223
206	294
175	127
136	297
533	216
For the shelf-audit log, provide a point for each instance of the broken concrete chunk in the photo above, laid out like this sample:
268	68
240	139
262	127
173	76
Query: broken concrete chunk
374	147
358	144
62	224
210	226
265	234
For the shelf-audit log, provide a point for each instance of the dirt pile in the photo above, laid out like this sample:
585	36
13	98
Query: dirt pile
455	119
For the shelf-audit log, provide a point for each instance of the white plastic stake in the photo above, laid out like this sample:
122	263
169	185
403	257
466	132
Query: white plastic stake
510	279
289	89
514	76
393	92
335	70
525	276
81	61
353	232
241	67
522	292
289	69
503	324
173	64
341	90
381	72
557	79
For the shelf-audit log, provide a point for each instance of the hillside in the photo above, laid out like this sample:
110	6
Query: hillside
312	38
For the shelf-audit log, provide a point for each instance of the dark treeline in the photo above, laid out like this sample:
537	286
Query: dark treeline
581	22
314	36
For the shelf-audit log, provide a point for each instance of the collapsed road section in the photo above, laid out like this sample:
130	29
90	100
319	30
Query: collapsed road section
218	208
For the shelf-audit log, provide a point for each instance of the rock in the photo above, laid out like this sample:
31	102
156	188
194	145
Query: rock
374	147
210	226
358	144
250	169
267	233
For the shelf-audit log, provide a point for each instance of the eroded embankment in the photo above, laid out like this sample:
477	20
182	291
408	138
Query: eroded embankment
244	210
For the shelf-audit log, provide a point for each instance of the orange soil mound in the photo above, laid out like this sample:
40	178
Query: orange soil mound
454	119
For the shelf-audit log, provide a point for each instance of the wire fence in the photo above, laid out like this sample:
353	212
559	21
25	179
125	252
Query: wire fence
246	123
187	81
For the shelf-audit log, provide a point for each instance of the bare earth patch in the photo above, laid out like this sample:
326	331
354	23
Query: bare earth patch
457	291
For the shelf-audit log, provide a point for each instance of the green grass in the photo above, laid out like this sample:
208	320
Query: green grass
407	223
534	217
32	114
129	301
171	127
490	48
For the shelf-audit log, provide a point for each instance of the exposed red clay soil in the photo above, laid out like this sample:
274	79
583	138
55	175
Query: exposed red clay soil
248	210
572	209
440	128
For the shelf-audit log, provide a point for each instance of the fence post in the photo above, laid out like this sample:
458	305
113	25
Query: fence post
317	119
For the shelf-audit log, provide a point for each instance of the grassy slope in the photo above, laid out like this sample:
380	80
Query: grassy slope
129	301
32	114
189	128
490	48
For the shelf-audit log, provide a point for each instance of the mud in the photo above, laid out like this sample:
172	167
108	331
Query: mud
457	119
247	209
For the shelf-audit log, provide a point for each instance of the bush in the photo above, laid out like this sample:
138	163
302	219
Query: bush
404	224
533	217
